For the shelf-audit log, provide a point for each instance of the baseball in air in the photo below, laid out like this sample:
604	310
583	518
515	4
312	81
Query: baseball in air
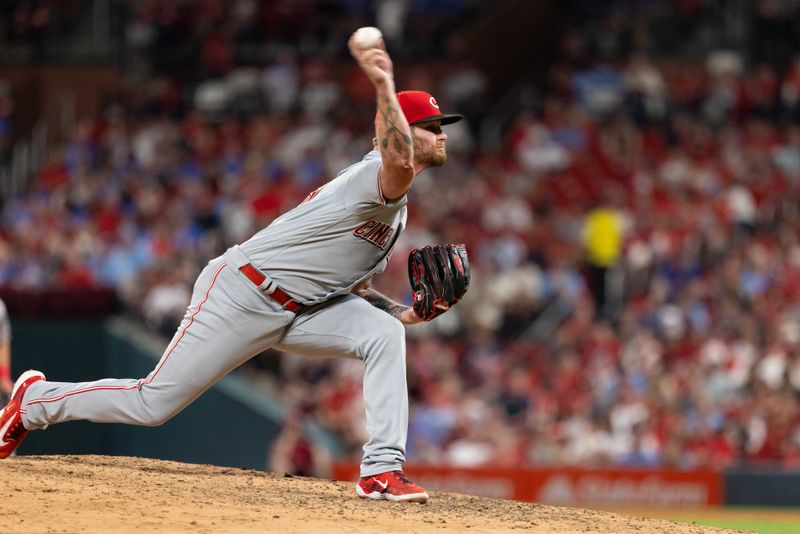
368	37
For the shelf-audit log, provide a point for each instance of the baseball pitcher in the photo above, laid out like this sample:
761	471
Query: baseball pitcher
300	285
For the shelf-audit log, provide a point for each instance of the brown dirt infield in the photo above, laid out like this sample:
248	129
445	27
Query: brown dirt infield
102	494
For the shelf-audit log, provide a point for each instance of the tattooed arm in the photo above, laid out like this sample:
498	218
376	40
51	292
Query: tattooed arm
404	314
396	147
391	128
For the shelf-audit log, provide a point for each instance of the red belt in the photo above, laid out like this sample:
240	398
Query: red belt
255	276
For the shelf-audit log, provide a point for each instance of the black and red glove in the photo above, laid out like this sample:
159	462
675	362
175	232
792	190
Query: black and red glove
439	277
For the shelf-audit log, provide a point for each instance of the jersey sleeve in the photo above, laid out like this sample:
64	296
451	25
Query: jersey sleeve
362	192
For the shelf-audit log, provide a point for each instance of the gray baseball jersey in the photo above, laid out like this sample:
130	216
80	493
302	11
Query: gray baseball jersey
317	252
341	234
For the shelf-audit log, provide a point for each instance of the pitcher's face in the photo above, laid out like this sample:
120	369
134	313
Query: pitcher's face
429	144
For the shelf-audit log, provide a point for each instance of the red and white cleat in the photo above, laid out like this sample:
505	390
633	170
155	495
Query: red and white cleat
11	430
392	486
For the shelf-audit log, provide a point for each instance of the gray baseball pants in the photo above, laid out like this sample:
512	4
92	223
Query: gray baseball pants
228	321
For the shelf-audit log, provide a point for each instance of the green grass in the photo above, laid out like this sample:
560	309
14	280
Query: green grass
761	526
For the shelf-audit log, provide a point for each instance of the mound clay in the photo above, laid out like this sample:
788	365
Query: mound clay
102	494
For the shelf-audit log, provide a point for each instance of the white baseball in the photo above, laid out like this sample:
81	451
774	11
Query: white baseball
367	37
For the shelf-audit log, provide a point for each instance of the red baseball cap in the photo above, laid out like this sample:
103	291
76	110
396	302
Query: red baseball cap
419	106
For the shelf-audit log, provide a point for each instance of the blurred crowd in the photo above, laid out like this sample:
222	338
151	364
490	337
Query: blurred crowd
29	28
635	244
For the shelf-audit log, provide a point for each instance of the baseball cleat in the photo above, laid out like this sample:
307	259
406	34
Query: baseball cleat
392	486
12	432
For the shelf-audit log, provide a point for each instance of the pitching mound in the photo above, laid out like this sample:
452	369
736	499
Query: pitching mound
101	494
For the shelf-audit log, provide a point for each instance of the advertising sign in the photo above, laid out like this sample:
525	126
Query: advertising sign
571	487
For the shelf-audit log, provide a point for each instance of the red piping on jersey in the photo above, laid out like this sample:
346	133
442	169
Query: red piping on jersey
380	191
160	365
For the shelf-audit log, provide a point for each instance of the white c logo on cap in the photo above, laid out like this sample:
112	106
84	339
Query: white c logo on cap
433	103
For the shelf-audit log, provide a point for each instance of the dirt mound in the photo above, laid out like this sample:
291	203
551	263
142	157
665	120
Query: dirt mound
101	494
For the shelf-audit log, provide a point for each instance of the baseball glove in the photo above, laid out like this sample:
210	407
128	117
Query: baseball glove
439	277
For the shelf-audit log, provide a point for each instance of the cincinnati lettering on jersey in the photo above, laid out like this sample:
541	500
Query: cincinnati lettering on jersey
375	232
